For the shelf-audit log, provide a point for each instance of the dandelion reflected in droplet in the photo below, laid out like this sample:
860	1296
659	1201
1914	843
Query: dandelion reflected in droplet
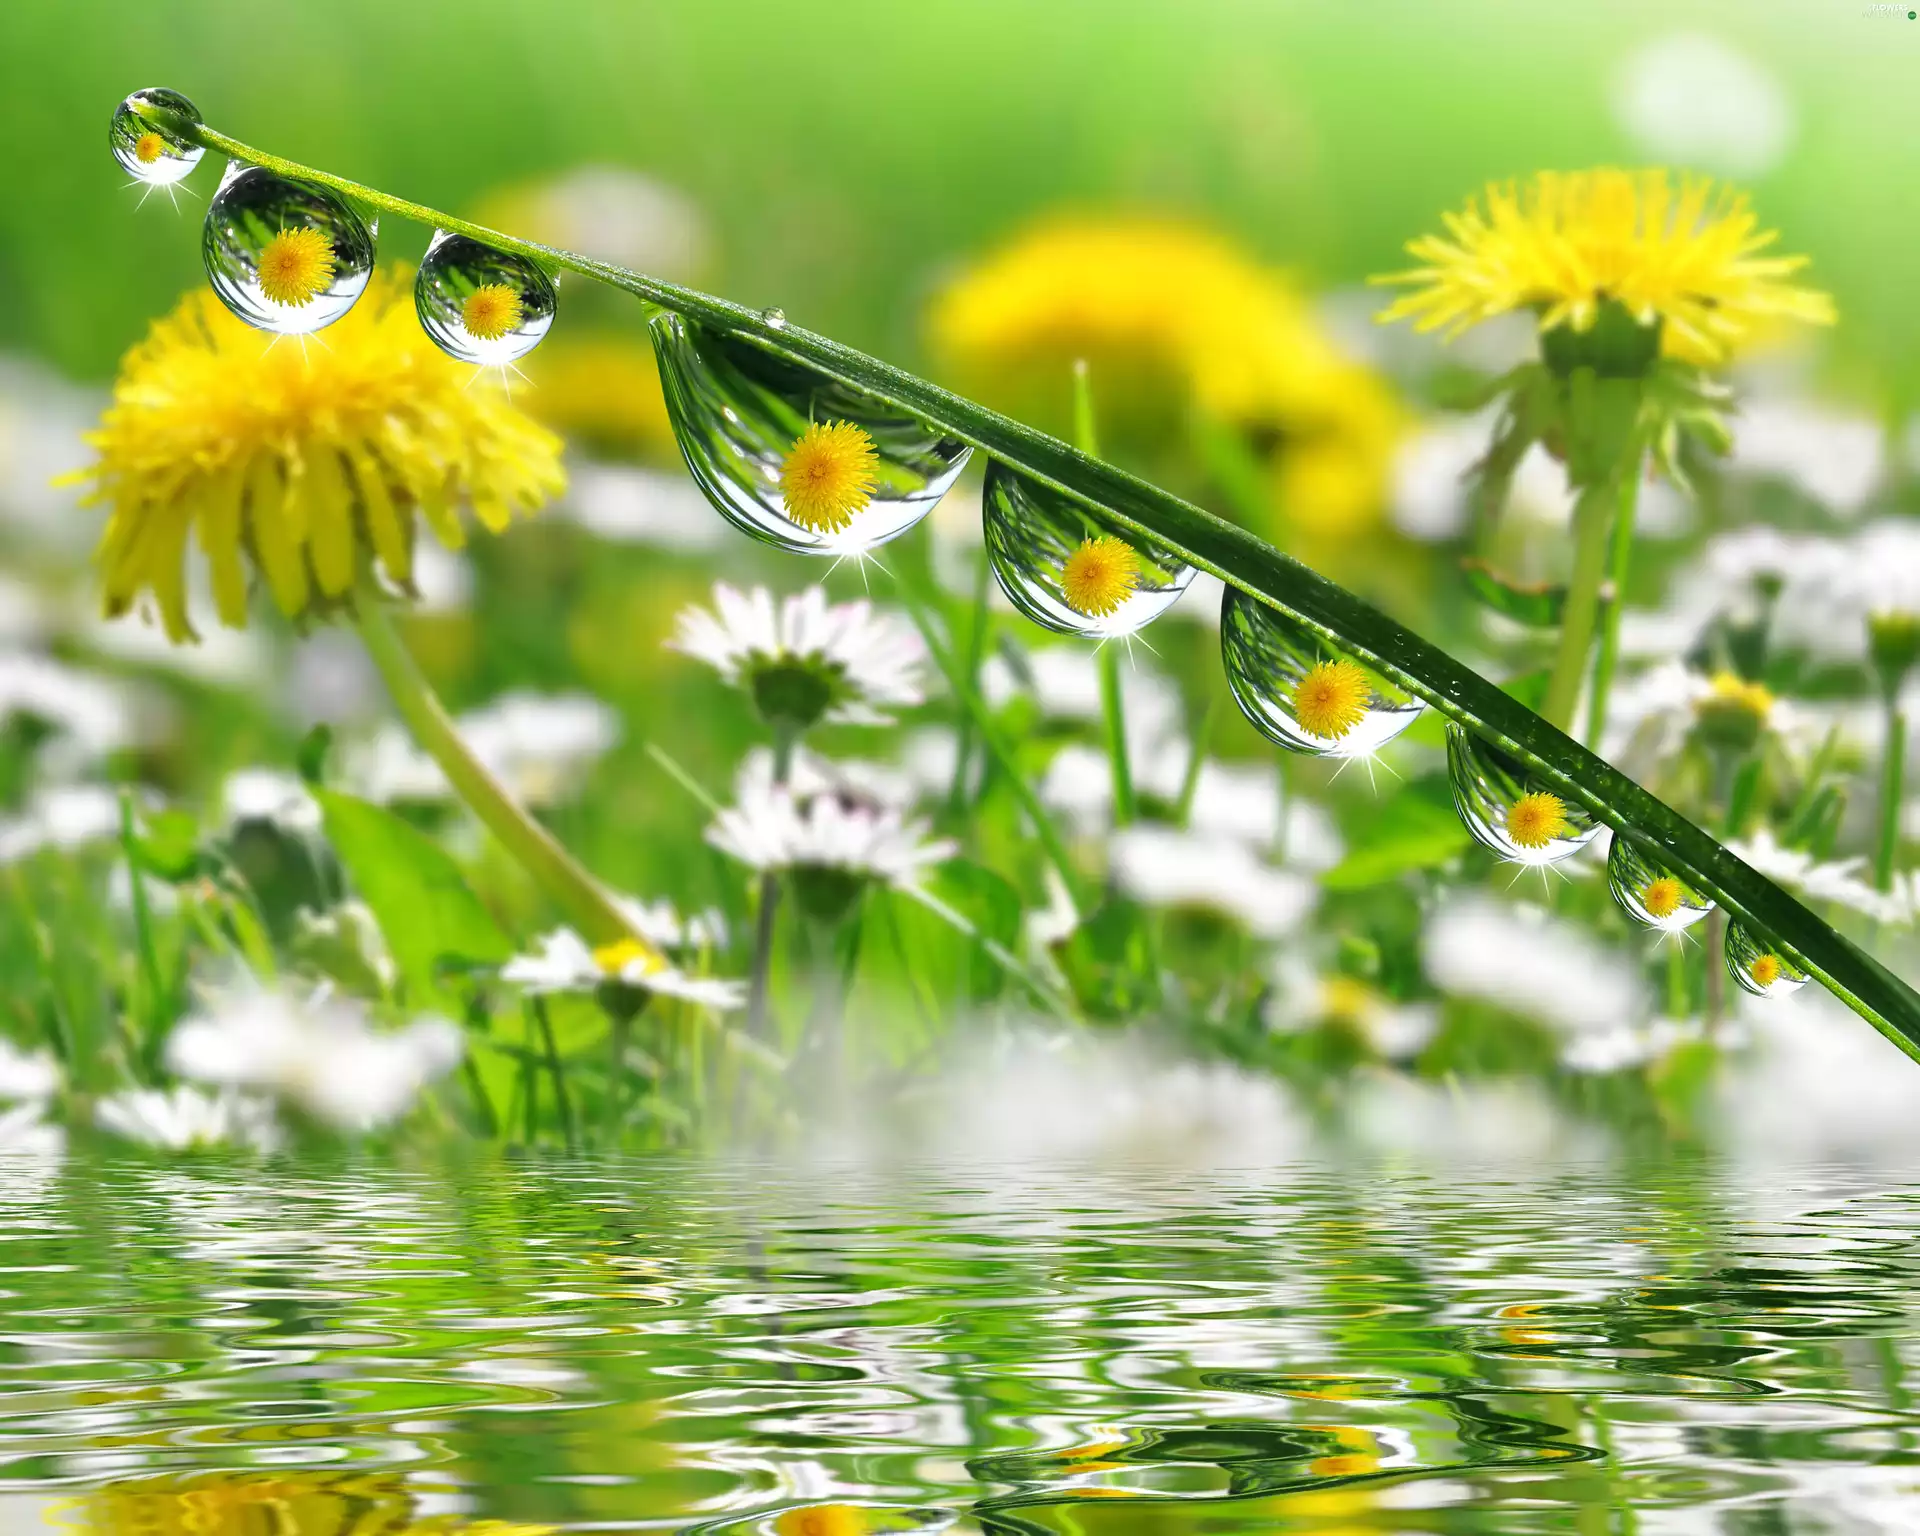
1508	809
1758	966
1301	691
285	256
1649	893
146	150
481	304
1070	568
792	454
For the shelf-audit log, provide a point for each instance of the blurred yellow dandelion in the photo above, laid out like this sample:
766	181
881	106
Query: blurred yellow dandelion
491	311
828	475
1535	820
1687	255
1332	698
1099	576
822	1520
296	266
300	466
1661	898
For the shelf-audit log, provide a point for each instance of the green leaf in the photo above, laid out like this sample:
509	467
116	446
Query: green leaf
1537	604
414	889
992	905
168	845
1417	829
1108	961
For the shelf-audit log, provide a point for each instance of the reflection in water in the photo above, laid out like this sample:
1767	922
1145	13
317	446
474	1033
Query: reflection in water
671	1346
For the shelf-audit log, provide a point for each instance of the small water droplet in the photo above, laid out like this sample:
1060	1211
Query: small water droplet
1651	894
147	152
284	255
865	473
481	304
1069	568
1302	692
777	318
1758	966
1508	808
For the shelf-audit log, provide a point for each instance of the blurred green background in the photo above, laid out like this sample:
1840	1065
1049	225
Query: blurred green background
848	153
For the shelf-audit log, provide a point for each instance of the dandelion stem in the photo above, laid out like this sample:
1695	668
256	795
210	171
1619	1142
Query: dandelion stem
1591	519
561	1101
586	904
1619	559
769	907
1893	769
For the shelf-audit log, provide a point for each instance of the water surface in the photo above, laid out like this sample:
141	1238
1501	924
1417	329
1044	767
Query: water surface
660	1344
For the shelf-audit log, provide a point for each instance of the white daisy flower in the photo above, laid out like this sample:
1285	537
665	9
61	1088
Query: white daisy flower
183	1119
1303	998
1165	867
809	660
660	924
27	1076
65	817
88	715
319	1053
270	795
565	962
1650	715
1840	881
1527	962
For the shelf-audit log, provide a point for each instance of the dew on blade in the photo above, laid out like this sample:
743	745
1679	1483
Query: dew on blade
793	455
1301	691
1650	893
1508	809
286	256
147	151
481	304
1758	966
1069	568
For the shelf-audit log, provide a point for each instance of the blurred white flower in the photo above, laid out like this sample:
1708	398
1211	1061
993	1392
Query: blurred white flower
1527	962
1839	881
1626	1044
810	774
345	941
541	745
1649	715
1165	867
24	1133
64	817
24	618
90	715
644	506
659	922
183	1119
1064	683
331	681
43	426
1467	1121
269	795
1834	457
319	1053
565	962
27	1075
1692	99
809	660
226	658
1303	998
442	578
614	214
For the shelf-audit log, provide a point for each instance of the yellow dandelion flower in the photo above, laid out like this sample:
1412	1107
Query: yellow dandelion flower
1099	576
1662	897
492	311
1173	319
822	1520
1332	698
148	148
301	465
1688	256
1764	969
828	475
613	959
296	266
1535	820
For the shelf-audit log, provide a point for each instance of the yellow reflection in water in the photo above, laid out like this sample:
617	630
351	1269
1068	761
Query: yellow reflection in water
248	1504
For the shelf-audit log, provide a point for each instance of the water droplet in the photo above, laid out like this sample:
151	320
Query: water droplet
481	304
777	318
284	255
1070	568
1758	967
791	454
1303	692
1651	894
146	151
1509	809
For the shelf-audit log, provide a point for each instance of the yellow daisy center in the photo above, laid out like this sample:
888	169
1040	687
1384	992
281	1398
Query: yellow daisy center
1099	576
1537	819
1661	898
1332	699
296	266
829	476
491	312
148	148
1765	970
1737	695
613	959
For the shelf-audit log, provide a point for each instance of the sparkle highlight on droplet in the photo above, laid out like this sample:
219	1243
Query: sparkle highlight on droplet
829	476
1332	698
1099	576
296	266
491	311
1535	820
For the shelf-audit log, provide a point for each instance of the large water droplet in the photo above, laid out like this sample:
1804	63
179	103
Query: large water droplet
793	455
1070	568
1301	691
481	304
146	151
1758	967
1651	894
284	255
1508	809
